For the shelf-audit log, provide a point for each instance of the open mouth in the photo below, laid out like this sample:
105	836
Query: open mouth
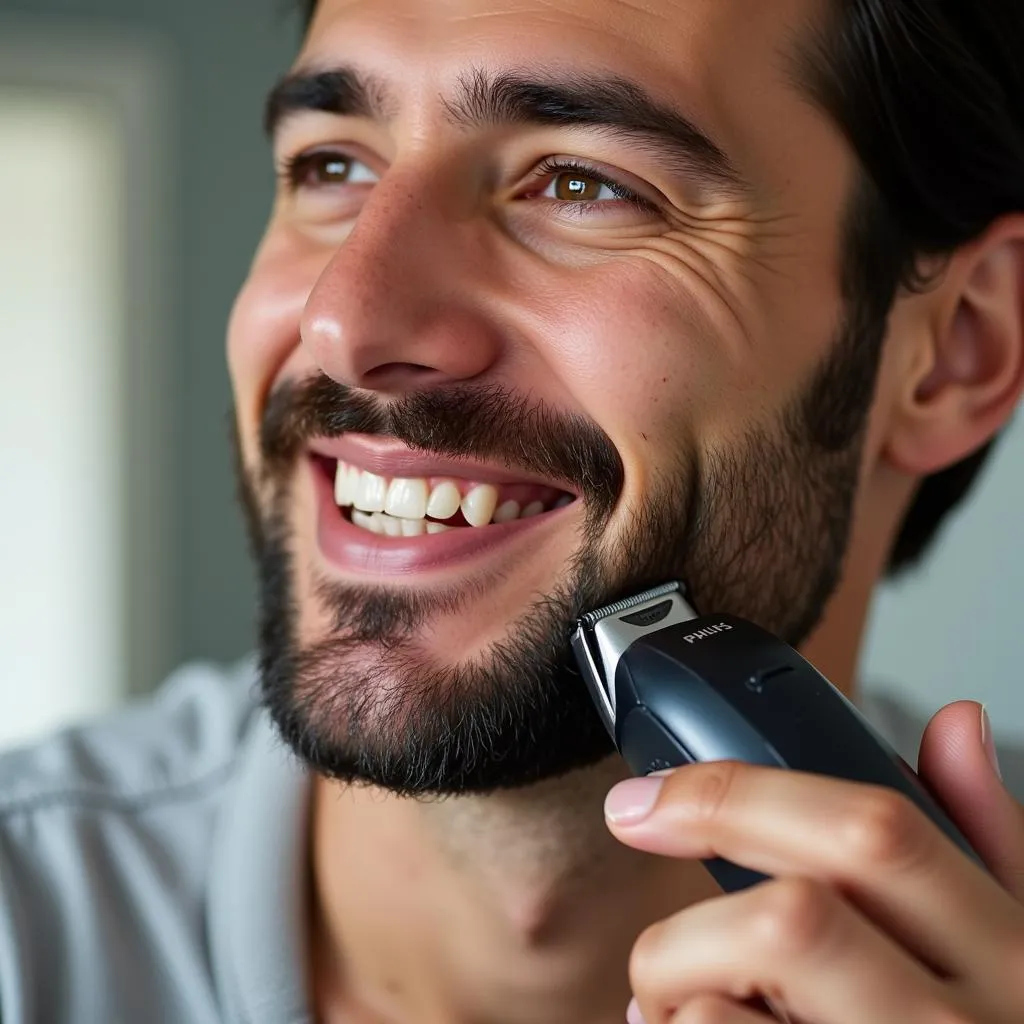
420	506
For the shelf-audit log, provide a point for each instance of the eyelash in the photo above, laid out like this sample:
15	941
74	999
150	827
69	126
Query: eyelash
552	167
294	169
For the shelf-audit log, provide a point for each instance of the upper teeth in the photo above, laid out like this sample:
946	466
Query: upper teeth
412	498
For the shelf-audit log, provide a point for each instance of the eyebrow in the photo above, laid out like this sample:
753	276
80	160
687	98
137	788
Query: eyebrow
614	106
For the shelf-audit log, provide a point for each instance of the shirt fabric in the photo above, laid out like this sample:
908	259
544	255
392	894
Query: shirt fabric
153	863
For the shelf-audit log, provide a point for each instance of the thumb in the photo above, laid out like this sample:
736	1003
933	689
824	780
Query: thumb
957	764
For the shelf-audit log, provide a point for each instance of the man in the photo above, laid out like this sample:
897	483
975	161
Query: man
559	301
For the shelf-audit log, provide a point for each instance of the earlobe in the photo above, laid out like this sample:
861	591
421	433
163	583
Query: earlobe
969	374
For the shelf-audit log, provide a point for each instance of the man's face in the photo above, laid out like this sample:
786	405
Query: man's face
571	270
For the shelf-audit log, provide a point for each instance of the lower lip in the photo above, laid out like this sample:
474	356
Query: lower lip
352	548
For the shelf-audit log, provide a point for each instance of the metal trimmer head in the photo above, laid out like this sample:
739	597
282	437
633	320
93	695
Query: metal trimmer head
602	636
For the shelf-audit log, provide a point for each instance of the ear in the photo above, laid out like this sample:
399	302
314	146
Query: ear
967	373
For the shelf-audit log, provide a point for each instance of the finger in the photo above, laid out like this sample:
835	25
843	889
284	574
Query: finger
712	1009
955	766
795	941
870	841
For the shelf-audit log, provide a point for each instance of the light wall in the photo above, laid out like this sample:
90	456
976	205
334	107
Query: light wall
61	455
955	627
194	202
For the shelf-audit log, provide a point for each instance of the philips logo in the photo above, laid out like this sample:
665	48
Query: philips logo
703	634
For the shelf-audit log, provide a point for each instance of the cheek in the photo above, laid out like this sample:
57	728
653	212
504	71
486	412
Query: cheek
263	342
646	364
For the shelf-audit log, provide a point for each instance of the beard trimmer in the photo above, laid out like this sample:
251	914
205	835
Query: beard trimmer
674	688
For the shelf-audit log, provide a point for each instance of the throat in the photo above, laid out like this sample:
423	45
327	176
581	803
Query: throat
517	907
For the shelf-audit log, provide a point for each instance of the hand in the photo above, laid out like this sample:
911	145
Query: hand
871	916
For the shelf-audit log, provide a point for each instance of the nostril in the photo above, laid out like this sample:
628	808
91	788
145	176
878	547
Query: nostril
398	374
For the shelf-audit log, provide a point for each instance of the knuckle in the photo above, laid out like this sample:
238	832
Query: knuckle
798	916
946	1014
715	783
644	973
885	829
706	1009
1013	960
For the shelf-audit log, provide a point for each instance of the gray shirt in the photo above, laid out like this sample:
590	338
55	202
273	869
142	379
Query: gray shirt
153	864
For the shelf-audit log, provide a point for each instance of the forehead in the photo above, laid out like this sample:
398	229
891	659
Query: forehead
702	51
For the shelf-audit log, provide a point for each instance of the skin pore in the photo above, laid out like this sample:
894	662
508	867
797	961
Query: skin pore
683	327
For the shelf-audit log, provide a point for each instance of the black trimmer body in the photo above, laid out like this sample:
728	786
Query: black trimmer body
675	688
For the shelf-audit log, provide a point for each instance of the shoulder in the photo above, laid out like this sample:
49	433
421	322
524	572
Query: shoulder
105	833
155	750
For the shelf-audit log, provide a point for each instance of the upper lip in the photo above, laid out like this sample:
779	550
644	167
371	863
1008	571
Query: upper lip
392	459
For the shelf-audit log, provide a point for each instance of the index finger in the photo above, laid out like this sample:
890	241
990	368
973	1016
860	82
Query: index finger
871	842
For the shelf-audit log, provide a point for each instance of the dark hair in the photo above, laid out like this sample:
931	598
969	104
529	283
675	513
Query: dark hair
930	95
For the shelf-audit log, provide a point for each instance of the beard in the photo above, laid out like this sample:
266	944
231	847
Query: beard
757	531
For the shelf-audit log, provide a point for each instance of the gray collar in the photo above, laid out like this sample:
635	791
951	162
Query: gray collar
258	883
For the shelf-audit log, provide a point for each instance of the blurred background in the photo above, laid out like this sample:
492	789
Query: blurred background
134	184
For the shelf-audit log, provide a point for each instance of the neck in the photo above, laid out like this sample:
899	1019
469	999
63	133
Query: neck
514	907
834	647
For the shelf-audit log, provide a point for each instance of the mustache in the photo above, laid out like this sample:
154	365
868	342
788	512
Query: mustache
457	421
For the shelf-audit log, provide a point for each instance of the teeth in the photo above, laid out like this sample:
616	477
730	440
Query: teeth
444	501
368	521
370	493
507	512
478	506
379	522
388	525
342	491
413	527
407	499
399	507
353	482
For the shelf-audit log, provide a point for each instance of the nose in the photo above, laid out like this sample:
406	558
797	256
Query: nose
395	309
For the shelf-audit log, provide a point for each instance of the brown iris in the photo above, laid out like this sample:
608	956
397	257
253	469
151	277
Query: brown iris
319	169
575	187
332	169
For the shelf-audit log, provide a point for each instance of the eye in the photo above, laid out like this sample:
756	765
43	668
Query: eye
586	188
325	168
571	186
